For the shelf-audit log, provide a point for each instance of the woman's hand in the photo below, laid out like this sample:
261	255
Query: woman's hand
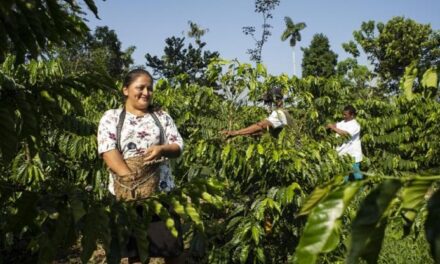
153	153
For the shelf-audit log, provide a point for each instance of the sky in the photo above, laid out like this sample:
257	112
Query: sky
147	23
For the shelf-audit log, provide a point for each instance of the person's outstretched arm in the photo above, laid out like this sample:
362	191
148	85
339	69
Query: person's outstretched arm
250	130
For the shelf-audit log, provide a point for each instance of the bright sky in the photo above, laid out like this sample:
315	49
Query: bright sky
147	23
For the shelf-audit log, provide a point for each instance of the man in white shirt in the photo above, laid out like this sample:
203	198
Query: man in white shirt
350	128
278	119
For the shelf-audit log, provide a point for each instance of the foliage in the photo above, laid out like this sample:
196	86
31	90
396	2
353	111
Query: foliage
196	32
264	7
178	59
396	44
399	140
52	193
117	61
241	200
100	50
28	28
319	60
351	48
292	32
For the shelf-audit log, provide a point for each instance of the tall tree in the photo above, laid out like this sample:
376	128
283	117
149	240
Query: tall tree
264	7
396	44
292	32
179	59
117	61
100	50
319	60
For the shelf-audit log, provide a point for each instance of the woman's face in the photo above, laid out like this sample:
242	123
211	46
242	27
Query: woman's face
139	93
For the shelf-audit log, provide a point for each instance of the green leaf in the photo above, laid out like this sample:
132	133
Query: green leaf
177	206
194	215
91	5
369	225
317	195
321	232
432	227
225	152
77	209
256	233
260	149
286	195
334	238
413	198
408	79
430	78
261	70
260	255
250	151
244	253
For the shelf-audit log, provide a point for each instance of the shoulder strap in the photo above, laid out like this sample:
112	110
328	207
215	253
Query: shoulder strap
162	131
289	118
121	123
119	129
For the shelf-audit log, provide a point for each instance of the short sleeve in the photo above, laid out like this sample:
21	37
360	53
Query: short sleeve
107	131
351	127
277	118
353	130
171	133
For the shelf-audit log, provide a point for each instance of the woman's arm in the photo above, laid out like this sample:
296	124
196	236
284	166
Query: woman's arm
158	151
115	162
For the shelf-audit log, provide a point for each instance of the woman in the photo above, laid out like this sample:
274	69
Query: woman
140	134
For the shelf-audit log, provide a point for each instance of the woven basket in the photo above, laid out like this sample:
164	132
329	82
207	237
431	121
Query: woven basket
141	183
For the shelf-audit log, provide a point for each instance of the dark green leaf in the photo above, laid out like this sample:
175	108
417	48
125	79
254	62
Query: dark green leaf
413	198
432	227
370	222
321	233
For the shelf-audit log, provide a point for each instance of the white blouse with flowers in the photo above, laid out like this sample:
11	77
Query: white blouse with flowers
138	133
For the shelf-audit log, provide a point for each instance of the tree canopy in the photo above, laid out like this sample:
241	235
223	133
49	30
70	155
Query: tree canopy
319	60
393	46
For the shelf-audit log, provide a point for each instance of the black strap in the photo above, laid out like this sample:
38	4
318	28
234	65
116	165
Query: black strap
162	131
119	129
121	123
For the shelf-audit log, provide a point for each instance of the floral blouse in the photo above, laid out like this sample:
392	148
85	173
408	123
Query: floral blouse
138	133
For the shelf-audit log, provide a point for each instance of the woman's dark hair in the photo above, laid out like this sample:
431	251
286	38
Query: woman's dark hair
131	76
350	109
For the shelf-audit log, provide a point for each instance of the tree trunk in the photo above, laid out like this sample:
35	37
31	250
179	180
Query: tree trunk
294	61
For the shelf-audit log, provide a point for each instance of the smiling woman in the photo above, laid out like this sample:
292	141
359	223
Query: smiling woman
135	143
140	127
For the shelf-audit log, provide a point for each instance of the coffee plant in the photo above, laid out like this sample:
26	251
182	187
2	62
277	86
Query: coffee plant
261	199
